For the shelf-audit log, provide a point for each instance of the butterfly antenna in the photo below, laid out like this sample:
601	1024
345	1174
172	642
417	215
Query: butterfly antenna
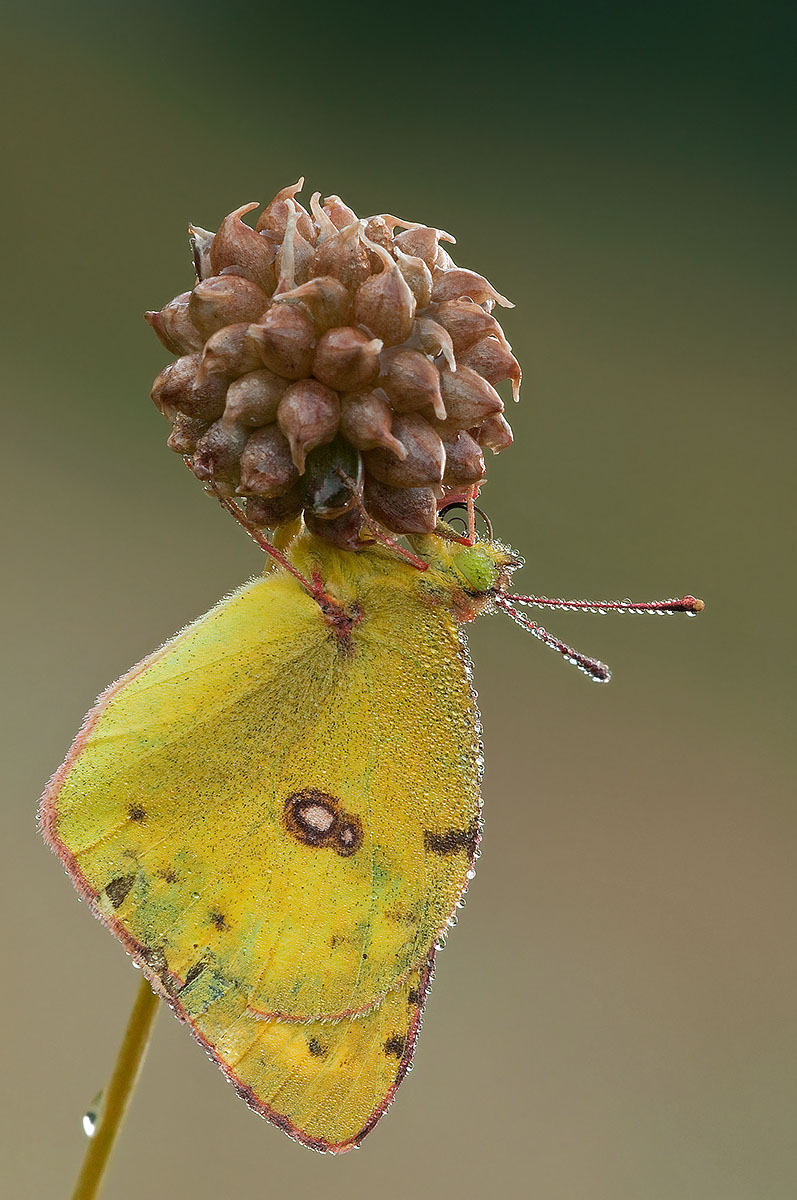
378	534
590	666
687	604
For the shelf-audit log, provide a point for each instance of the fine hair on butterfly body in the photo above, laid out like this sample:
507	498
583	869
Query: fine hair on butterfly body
278	812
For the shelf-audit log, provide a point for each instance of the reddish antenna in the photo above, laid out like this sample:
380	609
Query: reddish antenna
590	666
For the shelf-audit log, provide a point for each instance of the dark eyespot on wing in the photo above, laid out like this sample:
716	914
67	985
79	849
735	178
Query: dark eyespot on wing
451	840
350	837
316	818
117	889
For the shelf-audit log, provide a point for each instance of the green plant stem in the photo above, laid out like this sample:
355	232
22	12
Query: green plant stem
118	1092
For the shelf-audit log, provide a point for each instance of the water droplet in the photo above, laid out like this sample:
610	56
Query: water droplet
91	1117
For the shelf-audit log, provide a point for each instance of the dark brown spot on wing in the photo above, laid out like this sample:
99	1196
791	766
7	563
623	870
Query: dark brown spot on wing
316	1049
395	1045
350	837
194	972
218	920
317	819
168	876
137	813
118	888
450	841
413	996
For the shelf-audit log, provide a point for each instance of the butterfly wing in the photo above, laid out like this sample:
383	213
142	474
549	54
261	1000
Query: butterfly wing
289	816
326	1083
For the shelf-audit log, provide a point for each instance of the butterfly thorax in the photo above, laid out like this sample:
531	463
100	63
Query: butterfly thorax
460	578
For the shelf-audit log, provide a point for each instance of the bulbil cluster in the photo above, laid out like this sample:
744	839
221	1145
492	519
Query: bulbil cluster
336	367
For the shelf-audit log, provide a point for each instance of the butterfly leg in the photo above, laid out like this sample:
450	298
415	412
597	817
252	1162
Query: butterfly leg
335	613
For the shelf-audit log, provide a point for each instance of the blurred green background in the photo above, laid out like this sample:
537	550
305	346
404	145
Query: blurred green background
614	1018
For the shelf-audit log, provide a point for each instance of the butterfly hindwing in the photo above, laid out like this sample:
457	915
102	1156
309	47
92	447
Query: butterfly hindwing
325	1082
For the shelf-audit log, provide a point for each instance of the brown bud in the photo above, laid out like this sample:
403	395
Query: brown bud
418	277
207	396
464	461
269	512
308	415
174	383
342	531
237	245
273	221
186	433
376	229
295	257
200	241
266	465
432	339
344	257
174	326
495	433
333	478
425	459
225	300
384	303
325	298
285	338
421	242
347	359
366	420
466	323
228	352
218	453
494	361
468	398
339	213
253	399
411	381
402	510
456	282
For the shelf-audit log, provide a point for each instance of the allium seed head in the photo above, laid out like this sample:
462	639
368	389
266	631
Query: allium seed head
339	368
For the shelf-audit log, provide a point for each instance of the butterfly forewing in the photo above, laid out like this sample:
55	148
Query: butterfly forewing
290	818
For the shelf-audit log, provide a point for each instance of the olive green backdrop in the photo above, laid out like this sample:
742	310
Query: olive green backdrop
614	1016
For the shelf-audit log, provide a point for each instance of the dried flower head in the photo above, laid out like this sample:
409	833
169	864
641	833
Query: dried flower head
332	366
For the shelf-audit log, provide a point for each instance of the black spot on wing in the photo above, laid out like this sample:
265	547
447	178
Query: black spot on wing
218	921
395	1045
194	972
117	889
316	1049
137	813
450	841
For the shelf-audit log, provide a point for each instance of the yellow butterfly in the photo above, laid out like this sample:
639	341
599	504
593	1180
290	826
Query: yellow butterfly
277	813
